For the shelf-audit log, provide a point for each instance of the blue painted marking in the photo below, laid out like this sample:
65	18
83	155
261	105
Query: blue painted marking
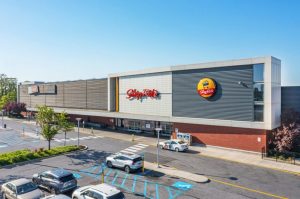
157	191
182	185
171	196
124	180
145	187
77	175
115	178
134	183
88	171
107	174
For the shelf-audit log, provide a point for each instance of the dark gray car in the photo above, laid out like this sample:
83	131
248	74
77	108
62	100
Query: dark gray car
56	181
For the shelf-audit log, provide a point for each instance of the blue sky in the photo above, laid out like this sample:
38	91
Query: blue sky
67	39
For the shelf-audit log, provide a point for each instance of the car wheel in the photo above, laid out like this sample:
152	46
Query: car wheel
109	164
127	169
4	196
176	149
34	181
75	198
53	191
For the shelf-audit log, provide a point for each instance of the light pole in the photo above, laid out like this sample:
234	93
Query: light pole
78	121
2	117
157	158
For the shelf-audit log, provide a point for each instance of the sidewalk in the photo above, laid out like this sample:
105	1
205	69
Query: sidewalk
246	158
177	173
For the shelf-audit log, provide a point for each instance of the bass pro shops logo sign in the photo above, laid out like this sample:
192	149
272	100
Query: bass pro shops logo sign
206	87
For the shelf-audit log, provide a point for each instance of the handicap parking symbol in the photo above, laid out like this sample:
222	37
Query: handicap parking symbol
182	185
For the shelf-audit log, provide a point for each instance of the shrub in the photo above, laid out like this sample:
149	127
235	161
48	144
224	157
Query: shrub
26	154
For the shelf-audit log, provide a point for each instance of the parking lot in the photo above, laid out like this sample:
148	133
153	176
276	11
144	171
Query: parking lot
87	167
228	179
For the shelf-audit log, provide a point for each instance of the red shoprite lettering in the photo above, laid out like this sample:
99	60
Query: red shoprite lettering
135	94
206	91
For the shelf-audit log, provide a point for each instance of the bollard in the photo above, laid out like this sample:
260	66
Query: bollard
92	130
132	138
102	176
143	166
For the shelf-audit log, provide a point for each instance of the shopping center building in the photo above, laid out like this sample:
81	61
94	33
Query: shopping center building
233	104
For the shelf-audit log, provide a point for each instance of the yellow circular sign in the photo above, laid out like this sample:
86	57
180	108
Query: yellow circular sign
206	87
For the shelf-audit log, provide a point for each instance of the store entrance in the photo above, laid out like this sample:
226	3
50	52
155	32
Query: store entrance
145	127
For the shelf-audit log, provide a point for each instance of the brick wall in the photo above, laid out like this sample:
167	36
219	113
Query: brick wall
230	137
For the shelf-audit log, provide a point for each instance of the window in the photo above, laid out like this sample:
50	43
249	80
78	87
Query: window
258	113
258	92
258	72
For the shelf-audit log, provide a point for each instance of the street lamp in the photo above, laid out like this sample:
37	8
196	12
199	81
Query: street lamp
78	121
157	158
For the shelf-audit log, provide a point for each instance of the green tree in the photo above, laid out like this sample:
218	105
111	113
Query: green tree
5	99
7	85
65	124
49	123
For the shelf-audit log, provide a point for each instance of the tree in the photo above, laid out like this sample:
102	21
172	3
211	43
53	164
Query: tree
65	124
48	121
7	85
287	136
15	108
5	99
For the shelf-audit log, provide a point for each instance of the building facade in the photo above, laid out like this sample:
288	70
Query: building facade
232	104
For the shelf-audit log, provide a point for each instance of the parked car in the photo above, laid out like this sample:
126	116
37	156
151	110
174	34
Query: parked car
128	162
56	181
60	196
21	189
100	191
174	145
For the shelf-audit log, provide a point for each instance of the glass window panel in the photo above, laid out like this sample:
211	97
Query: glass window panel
258	92
258	72
259	113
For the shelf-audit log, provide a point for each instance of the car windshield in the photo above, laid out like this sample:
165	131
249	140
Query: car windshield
25	188
137	159
119	195
66	178
181	142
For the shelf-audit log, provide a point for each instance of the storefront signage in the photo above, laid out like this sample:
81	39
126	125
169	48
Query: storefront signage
206	87
33	89
135	94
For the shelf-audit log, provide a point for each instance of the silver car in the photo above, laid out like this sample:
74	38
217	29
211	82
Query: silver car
128	162
59	196
21	189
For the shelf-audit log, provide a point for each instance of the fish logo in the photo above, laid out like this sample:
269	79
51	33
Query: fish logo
206	87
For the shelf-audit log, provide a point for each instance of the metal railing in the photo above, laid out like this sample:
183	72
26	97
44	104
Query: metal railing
285	156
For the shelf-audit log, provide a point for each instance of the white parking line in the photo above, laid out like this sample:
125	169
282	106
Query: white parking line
125	151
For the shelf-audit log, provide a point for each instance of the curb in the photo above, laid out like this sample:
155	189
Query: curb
37	159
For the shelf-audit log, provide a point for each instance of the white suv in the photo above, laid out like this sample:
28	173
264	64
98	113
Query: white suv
100	191
128	162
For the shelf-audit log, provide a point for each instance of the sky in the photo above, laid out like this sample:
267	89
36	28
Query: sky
57	40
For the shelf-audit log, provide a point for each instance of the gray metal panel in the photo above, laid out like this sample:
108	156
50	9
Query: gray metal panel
290	98
97	94
231	101
91	94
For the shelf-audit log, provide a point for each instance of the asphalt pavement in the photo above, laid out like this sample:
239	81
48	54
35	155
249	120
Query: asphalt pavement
227	179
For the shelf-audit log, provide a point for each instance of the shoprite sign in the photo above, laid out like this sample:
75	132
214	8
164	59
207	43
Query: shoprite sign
135	94
206	87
